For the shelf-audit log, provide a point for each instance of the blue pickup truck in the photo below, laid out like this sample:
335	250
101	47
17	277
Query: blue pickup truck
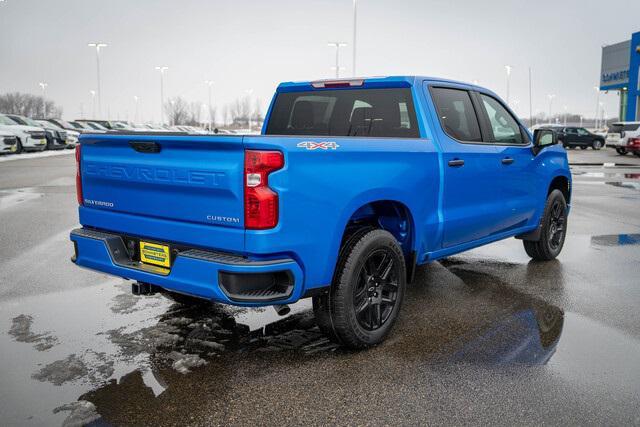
351	185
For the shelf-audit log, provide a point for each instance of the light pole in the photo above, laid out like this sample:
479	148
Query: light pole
550	96
210	83
93	103
601	120
597	89
248	92
355	10
172	119
162	69
98	46
564	108
337	45
136	99
508	69
43	86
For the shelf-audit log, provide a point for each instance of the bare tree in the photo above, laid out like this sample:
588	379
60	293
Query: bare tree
29	105
240	112
257	113
177	111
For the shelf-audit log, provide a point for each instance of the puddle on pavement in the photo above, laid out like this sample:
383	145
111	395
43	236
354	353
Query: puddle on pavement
608	175
616	240
101	353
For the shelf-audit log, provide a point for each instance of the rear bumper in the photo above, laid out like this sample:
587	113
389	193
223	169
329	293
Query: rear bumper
215	276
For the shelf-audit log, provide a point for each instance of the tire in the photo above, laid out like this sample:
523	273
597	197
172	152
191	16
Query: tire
554	229
18	147
583	147
596	144
636	153
367	290
621	151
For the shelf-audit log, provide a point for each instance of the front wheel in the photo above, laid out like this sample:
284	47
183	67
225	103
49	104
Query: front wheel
367	291
596	144
621	151
583	147
554	229
18	147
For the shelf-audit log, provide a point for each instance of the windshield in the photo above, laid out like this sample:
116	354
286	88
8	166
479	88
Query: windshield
77	125
345	112
7	121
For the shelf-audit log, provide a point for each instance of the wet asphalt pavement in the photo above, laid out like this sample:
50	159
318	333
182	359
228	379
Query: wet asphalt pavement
484	337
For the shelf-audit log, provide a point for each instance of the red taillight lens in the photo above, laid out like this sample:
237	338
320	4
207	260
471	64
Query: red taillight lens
634	142
78	176
260	201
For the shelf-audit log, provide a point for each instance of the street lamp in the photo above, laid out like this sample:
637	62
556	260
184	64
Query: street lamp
248	92
162	69
564	107
98	46
93	103
550	96
210	83
355	9
602	113
508	69
597	89
136	99
337	45
43	86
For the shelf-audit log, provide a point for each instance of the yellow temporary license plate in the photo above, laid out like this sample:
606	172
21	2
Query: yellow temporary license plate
152	253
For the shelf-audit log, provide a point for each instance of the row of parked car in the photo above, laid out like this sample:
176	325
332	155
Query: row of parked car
19	133
624	137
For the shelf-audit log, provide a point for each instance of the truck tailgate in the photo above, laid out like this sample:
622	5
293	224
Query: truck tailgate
183	178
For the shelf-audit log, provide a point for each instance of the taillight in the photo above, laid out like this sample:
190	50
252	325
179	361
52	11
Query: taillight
78	176
260	201
633	141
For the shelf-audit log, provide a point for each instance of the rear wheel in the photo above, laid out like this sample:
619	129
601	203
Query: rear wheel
554	229
583	147
367	291
596	144
621	151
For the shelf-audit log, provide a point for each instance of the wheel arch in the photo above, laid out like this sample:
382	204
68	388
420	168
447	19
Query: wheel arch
390	215
563	184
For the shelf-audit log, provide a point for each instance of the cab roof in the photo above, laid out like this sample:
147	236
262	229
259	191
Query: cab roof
370	83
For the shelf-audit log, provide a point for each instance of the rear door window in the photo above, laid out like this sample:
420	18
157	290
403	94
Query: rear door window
385	112
456	113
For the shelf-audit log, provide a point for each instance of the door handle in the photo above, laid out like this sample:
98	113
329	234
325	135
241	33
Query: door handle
456	163
507	161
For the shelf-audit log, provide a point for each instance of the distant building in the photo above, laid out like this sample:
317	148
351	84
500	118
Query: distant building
620	72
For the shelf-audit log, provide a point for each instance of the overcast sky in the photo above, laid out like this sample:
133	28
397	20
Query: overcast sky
256	44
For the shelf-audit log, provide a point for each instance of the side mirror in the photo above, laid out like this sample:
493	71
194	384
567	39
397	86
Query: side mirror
543	138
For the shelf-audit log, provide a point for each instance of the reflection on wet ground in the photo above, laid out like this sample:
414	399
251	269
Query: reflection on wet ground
616	239
144	354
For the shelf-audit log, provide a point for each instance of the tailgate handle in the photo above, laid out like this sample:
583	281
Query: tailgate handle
145	147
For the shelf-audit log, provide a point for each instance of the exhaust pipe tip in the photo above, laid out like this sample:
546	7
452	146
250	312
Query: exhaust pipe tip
282	309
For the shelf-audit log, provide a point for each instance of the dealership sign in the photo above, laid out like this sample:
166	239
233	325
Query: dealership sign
614	70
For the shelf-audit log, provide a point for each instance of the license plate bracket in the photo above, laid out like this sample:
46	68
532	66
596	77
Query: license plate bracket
155	253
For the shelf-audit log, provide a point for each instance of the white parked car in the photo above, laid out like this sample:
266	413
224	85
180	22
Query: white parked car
619	134
30	138
8	142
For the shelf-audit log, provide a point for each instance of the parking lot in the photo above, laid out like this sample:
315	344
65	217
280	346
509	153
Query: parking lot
484	337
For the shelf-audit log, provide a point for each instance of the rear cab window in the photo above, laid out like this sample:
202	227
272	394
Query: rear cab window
387	112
